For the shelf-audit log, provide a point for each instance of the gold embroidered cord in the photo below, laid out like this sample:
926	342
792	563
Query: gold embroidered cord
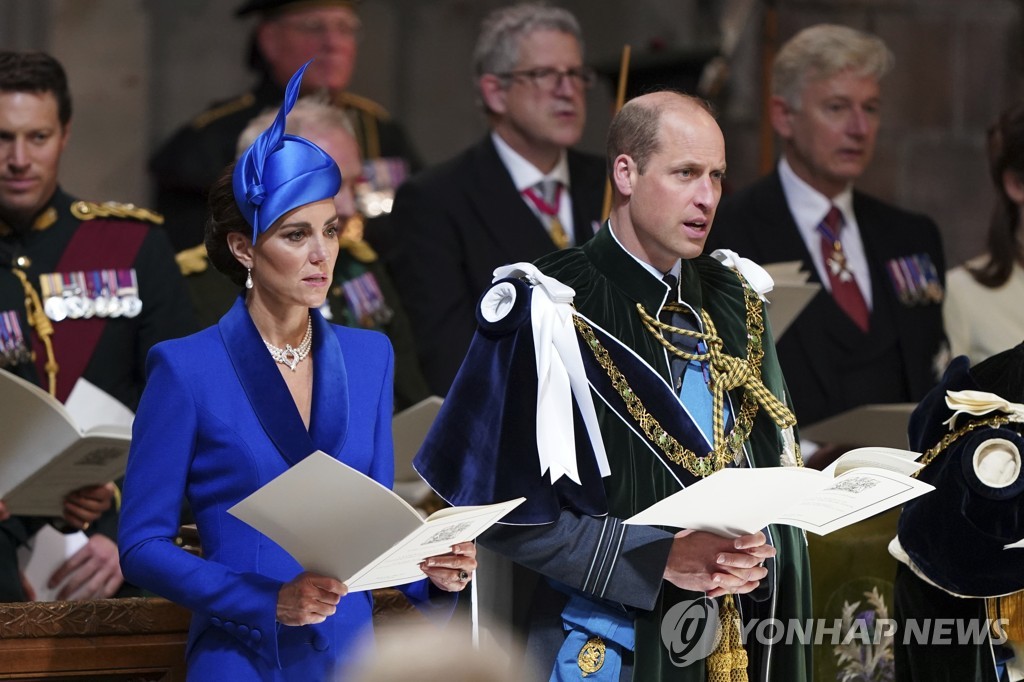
41	323
951	438
728	373
728	662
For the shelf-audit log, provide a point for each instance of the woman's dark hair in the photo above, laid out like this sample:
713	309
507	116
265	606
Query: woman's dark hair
224	219
1005	153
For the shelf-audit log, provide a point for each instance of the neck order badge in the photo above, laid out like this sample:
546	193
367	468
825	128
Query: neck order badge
546	197
844	286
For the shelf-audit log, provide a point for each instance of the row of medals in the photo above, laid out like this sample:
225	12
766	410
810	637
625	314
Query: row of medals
76	303
13	350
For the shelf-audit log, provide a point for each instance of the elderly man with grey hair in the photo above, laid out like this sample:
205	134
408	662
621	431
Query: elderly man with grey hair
515	195
874	331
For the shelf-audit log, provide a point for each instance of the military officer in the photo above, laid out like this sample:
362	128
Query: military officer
289	33
85	290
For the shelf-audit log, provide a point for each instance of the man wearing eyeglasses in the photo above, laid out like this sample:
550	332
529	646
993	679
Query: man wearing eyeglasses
515	195
289	33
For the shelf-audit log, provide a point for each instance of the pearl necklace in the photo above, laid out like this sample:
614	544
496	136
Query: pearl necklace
292	356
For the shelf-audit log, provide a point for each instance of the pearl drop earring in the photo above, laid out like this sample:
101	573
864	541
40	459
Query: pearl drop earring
248	278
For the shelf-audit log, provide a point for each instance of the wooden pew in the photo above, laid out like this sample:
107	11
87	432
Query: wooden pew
115	640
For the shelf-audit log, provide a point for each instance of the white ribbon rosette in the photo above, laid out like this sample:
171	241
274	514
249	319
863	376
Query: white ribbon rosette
560	372
756	276
978	403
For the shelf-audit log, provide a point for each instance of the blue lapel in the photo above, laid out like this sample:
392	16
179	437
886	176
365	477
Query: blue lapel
328	422
268	394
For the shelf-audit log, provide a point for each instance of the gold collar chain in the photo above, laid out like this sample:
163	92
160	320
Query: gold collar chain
950	438
727	372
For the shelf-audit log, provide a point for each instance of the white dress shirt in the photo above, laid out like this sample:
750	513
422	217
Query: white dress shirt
525	175
808	207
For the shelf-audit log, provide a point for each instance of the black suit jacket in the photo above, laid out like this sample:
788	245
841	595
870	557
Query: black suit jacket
829	364
455	224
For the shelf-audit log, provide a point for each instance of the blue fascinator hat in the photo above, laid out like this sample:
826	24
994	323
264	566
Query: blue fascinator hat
279	173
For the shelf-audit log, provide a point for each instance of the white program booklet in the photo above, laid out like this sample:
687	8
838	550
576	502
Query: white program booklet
45	453
339	522
47	551
860	484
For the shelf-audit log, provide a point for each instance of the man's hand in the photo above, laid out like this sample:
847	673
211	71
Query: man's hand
93	572
309	598
85	505
451	572
705	562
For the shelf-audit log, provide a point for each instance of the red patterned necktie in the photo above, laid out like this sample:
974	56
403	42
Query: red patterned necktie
844	286
546	197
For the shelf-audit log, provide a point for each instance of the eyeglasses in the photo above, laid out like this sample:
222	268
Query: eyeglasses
549	78
312	27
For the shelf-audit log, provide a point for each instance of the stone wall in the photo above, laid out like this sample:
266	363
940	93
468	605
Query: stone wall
140	67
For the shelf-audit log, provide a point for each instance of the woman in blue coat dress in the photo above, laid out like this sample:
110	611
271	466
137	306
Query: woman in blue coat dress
230	408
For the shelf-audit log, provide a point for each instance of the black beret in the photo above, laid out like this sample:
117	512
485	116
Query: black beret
269	6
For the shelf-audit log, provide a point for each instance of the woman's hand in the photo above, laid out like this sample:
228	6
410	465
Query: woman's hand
309	598
451	572
85	505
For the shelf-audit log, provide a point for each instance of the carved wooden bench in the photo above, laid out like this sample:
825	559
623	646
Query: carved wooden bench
114	640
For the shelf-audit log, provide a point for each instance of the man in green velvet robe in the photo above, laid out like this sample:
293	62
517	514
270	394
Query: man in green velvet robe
619	601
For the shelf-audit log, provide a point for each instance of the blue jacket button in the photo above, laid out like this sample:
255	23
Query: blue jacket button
320	642
229	626
255	635
243	630
215	621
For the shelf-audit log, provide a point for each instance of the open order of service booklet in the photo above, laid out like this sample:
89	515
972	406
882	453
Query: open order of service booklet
861	483
46	453
337	521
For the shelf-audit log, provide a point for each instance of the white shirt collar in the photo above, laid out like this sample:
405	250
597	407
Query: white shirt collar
525	174
807	204
808	207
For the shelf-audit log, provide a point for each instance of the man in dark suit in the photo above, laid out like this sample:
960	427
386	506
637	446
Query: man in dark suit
517	194
874	332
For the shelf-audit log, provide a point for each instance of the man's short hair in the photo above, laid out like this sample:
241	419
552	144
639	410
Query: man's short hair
634	130
310	111
822	51
497	47
39	73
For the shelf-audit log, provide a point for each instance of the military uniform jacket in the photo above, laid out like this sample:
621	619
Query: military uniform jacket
831	365
114	359
189	162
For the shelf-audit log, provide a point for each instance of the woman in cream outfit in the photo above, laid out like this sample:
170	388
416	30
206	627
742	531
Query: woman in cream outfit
982	312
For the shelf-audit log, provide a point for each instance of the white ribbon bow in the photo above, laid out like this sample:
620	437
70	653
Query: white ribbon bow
560	375
757	276
977	403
